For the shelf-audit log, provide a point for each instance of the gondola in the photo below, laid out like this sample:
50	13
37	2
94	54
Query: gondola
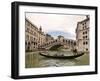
62	56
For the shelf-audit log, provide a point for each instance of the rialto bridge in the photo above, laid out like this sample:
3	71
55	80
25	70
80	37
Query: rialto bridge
67	43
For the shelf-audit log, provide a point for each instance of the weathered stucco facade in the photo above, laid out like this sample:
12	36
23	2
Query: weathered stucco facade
82	35
34	37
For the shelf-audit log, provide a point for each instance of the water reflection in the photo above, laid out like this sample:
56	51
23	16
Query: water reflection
34	59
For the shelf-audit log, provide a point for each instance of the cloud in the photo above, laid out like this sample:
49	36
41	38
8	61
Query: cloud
66	35
56	24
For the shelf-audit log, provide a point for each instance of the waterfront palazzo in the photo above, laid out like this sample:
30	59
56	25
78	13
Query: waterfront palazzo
36	39
82	35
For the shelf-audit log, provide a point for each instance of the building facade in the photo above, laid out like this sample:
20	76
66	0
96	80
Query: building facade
49	38
34	37
82	35
41	37
31	36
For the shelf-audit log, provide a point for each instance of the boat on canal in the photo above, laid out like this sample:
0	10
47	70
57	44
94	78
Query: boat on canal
62	56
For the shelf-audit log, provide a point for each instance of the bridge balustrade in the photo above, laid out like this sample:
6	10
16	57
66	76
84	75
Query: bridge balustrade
69	43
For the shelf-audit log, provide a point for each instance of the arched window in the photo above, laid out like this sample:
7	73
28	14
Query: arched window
85	32
66	40
63	40
74	43
86	36
86	49
26	43
86	42
69	42
83	43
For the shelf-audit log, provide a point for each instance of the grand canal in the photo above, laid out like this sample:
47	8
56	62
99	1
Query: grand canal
34	59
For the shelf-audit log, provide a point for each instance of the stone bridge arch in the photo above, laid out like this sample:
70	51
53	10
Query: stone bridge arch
67	43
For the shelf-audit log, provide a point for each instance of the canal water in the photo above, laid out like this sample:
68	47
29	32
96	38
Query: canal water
35	60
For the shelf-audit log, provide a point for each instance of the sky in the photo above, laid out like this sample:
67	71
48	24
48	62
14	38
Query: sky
56	24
